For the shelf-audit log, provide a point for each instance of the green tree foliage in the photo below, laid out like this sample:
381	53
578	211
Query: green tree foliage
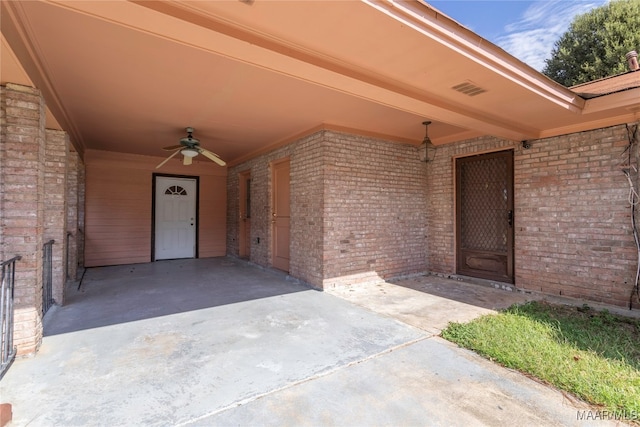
595	44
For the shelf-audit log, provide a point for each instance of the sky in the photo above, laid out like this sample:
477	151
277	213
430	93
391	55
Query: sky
526	29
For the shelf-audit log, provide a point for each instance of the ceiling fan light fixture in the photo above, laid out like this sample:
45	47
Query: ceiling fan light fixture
189	152
189	147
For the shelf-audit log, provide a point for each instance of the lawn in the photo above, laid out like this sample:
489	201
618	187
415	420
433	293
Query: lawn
593	355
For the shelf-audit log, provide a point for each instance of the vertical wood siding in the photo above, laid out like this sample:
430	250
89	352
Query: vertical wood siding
118	206
213	225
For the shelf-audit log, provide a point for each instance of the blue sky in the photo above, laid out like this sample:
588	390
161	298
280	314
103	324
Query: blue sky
525	29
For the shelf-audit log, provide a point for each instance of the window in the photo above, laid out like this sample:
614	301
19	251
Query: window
176	190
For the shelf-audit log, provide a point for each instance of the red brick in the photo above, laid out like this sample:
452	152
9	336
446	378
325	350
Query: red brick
572	232
6	414
342	208
22	198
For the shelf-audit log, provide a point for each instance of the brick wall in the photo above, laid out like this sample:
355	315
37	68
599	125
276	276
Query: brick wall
22	150
81	212
260	206
357	208
55	194
298	152
308	174
233	210
572	219
375	209
573	222
3	135
358	211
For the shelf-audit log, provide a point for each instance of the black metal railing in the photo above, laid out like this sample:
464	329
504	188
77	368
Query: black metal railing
7	350
47	276
68	245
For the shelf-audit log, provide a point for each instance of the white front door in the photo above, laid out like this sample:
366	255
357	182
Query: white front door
175	218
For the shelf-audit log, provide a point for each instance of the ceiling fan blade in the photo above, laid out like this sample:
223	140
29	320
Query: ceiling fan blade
212	156
186	160
173	147
167	159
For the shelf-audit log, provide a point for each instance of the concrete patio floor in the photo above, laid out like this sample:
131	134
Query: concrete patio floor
221	342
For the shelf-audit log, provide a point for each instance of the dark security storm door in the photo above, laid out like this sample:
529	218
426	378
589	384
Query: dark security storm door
484	216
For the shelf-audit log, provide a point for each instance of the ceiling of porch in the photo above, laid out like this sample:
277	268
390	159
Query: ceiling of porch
250	75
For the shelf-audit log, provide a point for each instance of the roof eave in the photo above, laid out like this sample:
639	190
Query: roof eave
427	20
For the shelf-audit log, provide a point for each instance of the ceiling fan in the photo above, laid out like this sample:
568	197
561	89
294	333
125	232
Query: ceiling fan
189	147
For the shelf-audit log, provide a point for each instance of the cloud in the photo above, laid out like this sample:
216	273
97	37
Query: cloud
532	37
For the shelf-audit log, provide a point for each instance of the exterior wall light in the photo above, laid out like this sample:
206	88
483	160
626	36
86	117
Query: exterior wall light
427	149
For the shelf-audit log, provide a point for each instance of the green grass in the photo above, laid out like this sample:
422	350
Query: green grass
593	355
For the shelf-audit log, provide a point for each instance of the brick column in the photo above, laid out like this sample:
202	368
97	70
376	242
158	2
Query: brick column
81	197
72	215
55	221
635	161
22	149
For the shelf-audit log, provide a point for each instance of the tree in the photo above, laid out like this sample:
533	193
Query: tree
595	44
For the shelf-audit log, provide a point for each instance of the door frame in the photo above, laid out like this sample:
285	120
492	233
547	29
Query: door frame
154	177
511	273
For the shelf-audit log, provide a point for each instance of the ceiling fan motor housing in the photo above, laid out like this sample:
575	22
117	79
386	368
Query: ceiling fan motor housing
189	141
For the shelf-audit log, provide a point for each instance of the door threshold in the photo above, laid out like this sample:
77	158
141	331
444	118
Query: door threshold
495	284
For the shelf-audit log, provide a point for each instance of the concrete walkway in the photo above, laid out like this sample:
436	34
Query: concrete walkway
220	342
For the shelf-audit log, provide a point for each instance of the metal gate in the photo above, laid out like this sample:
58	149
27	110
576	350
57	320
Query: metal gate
484	217
7	286
47	276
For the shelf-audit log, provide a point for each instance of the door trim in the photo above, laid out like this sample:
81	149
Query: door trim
154	177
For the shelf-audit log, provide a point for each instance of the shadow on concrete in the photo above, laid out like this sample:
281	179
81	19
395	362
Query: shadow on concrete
475	292
429	302
127	293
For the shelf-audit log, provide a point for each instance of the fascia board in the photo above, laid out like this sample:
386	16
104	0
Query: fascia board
628	99
447	32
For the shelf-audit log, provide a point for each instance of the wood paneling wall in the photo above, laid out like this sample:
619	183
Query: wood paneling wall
213	216
119	207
